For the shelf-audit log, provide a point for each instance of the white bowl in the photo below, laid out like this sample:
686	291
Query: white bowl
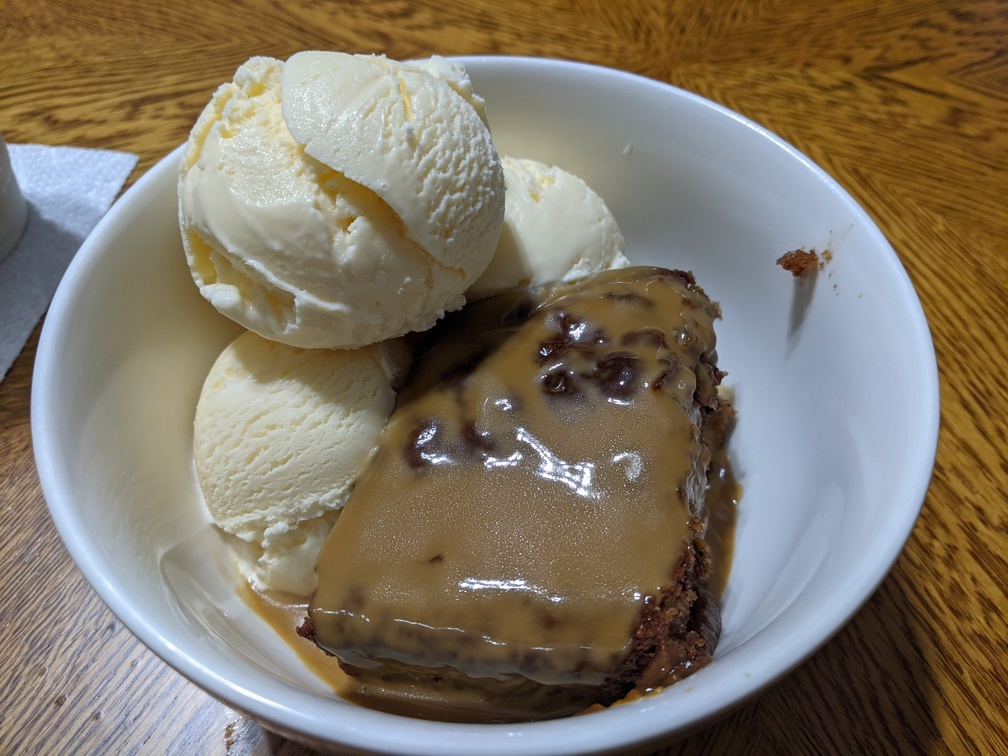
836	388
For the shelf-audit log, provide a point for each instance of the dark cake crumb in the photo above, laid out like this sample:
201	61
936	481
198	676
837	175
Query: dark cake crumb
798	261
306	629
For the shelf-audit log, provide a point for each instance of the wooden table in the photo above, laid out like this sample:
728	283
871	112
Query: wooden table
905	103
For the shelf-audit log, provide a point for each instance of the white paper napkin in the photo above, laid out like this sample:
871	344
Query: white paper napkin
68	190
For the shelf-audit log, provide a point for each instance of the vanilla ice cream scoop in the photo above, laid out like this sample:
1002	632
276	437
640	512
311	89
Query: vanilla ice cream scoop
556	228
279	435
339	200
412	134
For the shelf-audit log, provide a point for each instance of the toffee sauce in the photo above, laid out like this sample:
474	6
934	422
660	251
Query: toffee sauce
535	485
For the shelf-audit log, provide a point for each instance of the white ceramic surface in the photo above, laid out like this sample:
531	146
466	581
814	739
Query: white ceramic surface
836	388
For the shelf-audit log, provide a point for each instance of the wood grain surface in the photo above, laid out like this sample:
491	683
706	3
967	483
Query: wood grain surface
904	103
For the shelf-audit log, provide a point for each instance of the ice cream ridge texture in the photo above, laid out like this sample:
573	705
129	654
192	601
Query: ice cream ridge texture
527	539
